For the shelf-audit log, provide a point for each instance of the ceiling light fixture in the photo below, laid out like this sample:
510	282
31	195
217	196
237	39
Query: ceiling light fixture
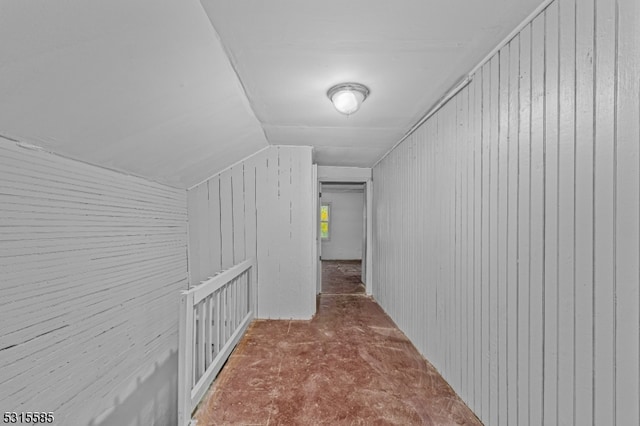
347	97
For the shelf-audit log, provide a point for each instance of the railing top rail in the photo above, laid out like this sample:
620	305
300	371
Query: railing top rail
209	286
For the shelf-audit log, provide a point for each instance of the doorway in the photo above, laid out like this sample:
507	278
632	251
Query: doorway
342	237
343	242
342	221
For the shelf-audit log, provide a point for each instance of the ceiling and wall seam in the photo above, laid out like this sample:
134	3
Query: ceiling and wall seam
242	161
464	81
33	147
228	168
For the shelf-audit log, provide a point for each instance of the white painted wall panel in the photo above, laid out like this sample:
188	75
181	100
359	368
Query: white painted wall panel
91	262
263	210
507	240
347	225
343	174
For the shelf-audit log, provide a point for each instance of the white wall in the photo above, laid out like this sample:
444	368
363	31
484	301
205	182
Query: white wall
343	174
91	264
346	222
262	208
507	226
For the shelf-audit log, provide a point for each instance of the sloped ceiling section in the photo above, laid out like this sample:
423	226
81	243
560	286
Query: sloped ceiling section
288	53
140	86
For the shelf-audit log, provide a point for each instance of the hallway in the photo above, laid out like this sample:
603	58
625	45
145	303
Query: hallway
349	365
342	277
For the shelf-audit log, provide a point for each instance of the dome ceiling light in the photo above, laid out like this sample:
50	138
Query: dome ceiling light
347	97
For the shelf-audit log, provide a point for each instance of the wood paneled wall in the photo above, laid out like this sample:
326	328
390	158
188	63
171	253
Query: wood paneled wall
262	208
91	264
507	227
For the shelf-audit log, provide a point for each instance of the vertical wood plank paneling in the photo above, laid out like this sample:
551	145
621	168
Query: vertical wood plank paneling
447	284
512	285
604	281
537	220
502	176
303	221
453	236
401	270
584	180
215	236
469	235
262	243
194	236
284	208
477	251
457	233
493	216
412	243
627	214
239	221
251	235
524	201
302	218
431	209
485	248
435	212
259	208
463	241
447	217
524	191
204	230
91	260
420	297
270	193
226	219
550	288
566	211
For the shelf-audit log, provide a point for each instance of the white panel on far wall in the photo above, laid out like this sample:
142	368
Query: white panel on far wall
343	174
506	227
262	208
346	223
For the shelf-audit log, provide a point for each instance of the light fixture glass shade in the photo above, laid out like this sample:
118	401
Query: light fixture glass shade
347	97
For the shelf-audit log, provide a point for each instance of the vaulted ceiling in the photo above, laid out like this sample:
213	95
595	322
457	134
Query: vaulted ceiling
152	88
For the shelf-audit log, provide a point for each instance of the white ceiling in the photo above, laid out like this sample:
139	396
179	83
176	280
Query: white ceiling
142	86
288	53
147	87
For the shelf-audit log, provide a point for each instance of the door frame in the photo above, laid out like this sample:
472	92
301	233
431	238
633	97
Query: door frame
329	174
